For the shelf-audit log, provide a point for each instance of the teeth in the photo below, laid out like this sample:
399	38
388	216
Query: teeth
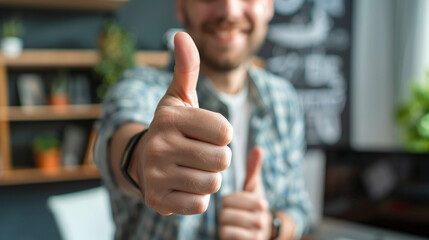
226	33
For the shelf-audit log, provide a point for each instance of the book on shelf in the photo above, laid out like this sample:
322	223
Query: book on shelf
31	90
79	90
73	146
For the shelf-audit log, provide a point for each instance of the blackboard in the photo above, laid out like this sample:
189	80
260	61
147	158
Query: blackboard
309	43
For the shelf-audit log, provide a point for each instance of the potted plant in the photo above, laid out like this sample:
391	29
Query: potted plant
413	118
11	43
47	154
59	96
116	52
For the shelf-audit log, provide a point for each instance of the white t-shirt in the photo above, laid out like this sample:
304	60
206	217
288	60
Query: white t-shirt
240	109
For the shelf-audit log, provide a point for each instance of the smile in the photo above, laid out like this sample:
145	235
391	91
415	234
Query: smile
226	33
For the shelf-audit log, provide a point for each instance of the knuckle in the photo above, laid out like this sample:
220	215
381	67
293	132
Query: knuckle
200	205
223	216
165	117
224	158
225	200
225	131
260	222
223	232
153	200
261	204
267	217
152	177
258	236
155	148
265	205
215	182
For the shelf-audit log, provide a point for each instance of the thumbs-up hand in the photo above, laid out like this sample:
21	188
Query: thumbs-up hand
253	182
180	157
246	215
182	90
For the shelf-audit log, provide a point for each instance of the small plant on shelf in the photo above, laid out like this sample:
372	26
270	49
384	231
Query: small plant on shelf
58	96
12	31
116	50
413	118
47	153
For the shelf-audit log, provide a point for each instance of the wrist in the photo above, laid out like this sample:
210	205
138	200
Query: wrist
134	169
127	165
276	224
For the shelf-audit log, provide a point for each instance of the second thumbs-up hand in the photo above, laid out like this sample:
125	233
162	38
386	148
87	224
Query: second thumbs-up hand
180	158
245	214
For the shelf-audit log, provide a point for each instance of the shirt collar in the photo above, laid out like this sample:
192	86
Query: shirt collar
258	90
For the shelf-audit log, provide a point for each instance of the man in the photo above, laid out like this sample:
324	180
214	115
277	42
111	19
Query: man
165	181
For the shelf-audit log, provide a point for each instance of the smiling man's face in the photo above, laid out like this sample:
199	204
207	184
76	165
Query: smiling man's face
226	32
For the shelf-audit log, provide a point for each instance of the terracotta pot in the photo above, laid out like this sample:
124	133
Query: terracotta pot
49	160
59	100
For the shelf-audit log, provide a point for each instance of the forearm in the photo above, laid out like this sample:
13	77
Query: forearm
117	145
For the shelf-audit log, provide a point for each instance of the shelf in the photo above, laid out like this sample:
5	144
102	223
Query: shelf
51	58
29	176
75	59
50	113
100	5
158	59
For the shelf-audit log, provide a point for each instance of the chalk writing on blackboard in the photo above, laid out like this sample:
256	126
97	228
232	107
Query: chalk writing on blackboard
308	42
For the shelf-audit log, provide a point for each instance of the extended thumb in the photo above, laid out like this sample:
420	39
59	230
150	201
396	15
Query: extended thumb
253	169
186	70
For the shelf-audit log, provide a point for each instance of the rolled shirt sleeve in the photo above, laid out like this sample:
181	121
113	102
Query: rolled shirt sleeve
130	100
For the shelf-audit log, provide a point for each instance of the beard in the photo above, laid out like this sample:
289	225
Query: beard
214	58
221	65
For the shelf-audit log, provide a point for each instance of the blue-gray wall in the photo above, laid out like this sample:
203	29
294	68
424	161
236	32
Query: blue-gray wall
47	28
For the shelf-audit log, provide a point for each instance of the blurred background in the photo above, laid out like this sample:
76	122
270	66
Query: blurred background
360	68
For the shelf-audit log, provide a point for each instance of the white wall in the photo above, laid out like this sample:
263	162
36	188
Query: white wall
314	181
390	46
372	75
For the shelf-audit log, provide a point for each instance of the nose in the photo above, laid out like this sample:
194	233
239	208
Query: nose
230	9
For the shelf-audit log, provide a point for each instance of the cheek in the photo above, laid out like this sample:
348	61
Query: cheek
259	13
197	14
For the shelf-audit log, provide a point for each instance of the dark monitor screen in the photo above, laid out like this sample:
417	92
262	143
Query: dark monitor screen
383	189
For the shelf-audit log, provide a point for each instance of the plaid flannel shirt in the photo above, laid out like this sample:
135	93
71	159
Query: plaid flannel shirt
276	125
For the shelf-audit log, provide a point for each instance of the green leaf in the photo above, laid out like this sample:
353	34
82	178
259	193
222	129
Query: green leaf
45	142
423	126
12	28
116	48
413	117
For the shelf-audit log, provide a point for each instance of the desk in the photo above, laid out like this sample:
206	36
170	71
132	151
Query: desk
334	229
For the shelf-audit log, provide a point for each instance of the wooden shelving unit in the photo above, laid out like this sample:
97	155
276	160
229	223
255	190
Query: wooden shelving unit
52	59
34	175
98	5
51	113
74	59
